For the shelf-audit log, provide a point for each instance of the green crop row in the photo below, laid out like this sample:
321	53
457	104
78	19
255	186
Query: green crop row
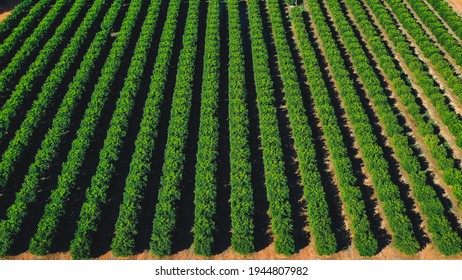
40	107
35	41
123	243
38	68
277	189
28	11
446	239
16	213
438	29
96	194
351	195
433	53
242	206
56	208
451	175
320	222
42	240
172	171
24	26
205	192
387	192
448	15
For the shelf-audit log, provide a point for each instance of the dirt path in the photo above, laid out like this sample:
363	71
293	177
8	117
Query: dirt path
456	5
307	253
6	8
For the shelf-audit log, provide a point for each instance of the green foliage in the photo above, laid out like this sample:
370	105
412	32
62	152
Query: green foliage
15	102
18	33
205	195
26	195
96	194
242	206
387	192
427	17
294	2
25	14
39	65
445	238
320	223
433	53
40	107
451	174
123	243
364	240
172	171
448	15
38	45
56	209
277	189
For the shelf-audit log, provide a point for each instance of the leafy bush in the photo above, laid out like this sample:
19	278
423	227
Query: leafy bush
56	208
446	239
26	196
123	243
320	223
172	171
242	206
351	195
205	194
96	194
451	175
448	14
387	192
277	189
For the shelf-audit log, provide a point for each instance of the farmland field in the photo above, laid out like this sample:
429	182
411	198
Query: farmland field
231	129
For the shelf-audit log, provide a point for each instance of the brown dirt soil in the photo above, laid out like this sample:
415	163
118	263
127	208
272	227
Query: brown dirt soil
456	5
307	253
7	7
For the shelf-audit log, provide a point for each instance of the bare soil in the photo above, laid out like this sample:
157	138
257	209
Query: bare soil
7	7
269	253
456	5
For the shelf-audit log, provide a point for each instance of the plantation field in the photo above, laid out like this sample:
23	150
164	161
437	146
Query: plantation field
227	129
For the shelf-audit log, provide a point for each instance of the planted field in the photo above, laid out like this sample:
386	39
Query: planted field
230	129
